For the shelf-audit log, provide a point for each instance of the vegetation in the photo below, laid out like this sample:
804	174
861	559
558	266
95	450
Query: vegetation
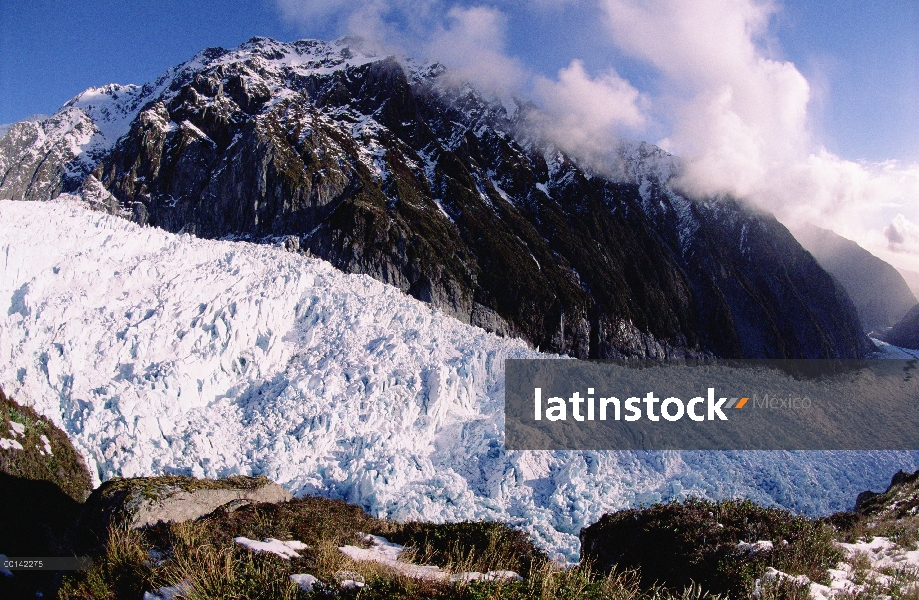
62	466
43	481
203	557
697	542
692	550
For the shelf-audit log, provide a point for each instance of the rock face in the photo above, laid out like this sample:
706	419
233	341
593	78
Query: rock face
880	293
899	500
905	333
146	501
389	169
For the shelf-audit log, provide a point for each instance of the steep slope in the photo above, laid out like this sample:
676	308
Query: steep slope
905	333
389	169
880	293
164	353
912	280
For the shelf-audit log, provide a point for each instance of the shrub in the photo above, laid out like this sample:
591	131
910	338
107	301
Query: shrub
678	545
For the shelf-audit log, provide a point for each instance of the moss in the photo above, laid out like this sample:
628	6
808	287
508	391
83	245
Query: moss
63	467
151	488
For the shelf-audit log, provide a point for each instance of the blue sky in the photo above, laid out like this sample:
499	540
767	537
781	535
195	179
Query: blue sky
864	55
814	94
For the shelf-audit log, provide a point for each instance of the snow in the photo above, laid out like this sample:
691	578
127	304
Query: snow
5	572
755	547
285	550
9	444
386	553
18	429
894	352
305	581
170	592
882	557
163	353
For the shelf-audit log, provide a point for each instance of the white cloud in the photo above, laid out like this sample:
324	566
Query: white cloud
582	114
471	43
741	123
902	235
738	114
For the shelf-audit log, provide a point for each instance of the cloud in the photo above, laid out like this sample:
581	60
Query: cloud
471	43
737	113
468	40
712	85
584	115
740	120
902	235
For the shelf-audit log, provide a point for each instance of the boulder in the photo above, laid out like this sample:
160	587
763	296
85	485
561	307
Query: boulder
141	502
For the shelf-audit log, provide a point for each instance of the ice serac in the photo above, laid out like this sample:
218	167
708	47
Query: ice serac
389	168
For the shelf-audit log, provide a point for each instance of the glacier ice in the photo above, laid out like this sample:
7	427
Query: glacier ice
160	353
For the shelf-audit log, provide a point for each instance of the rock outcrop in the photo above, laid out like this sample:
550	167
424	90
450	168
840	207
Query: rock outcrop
905	333
146	501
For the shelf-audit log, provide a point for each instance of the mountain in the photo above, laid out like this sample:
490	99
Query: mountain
391	168
880	293
905	333
7	126
912	280
161	353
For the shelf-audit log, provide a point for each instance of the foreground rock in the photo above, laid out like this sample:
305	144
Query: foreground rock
147	501
43	481
900	499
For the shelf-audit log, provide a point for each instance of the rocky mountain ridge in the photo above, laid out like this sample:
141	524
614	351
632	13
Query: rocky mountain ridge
880	293
392	169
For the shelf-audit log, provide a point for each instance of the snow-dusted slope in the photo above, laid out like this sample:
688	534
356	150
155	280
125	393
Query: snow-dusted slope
158	352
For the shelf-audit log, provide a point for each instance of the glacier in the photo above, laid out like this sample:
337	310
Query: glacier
158	352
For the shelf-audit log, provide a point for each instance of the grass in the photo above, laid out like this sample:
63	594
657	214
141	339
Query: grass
203	555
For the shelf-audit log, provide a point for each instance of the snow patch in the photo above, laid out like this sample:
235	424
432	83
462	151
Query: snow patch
304	581
285	550
9	444
384	552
